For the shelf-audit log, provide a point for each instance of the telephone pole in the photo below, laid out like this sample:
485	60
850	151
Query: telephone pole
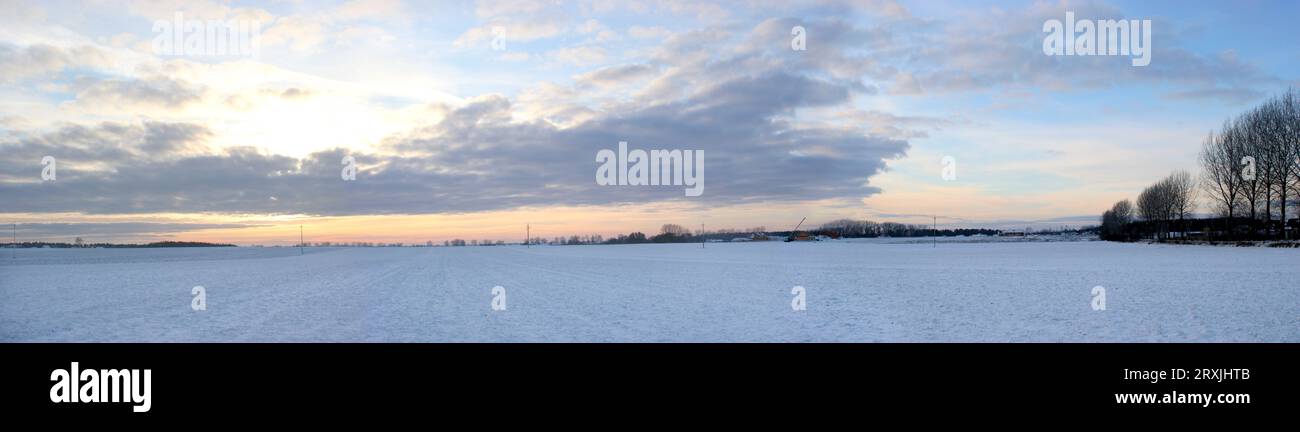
14	253
528	236
935	232
300	240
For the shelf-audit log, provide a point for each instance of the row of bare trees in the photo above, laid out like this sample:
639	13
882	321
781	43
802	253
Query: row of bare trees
1250	174
1172	198
1252	165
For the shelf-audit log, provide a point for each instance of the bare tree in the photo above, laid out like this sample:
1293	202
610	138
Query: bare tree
1289	133
1171	198
1153	206
1114	222
1254	165
1220	174
1123	211
673	229
1277	166
1182	195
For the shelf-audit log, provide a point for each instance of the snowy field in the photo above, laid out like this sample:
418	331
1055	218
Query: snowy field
855	291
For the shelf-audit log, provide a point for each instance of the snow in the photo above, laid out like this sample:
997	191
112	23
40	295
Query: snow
856	291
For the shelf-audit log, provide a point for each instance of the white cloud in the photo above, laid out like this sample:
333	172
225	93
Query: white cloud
651	32
579	55
22	62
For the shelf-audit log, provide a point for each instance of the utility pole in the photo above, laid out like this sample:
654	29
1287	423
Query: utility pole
528	236
701	236
935	232
14	253
300	239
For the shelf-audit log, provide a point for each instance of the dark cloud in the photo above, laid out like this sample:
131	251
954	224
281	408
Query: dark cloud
93	231
170	138
85	153
739	105
131	92
475	159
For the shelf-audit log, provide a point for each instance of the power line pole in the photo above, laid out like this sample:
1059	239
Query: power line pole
935	231
300	240
14	253
701	236
528	236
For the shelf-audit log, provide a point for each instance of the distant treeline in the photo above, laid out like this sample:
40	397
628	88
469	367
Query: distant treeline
866	229
843	228
163	244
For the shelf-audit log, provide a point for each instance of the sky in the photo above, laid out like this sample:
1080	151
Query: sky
472	120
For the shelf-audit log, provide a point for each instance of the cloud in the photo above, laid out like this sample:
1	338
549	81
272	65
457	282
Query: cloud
494	8
552	103
352	23
22	62
733	98
648	32
297	33
89	153
704	11
98	231
614	75
520	21
1231	96
598	32
892	125
583	55
369	9
1003	50
510	30
476	158
292	93
130	92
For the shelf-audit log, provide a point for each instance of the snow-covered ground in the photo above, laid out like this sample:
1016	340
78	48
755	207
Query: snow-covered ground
855	291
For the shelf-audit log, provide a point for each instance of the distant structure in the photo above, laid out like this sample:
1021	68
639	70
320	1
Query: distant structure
799	235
